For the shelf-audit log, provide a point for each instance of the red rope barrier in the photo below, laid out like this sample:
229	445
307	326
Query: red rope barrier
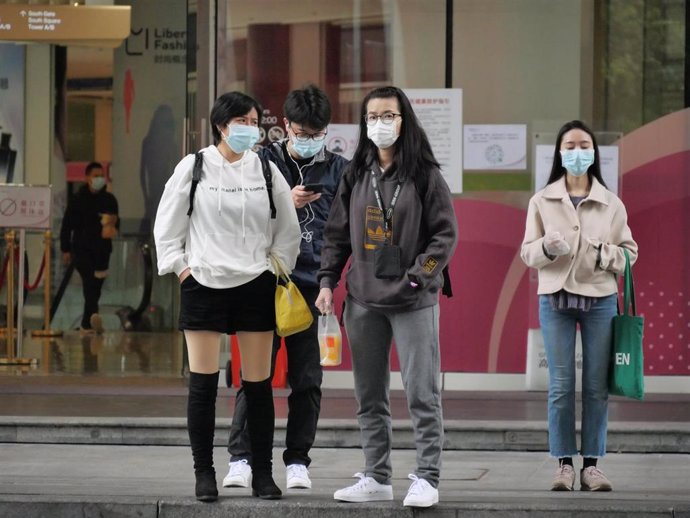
33	286
27	286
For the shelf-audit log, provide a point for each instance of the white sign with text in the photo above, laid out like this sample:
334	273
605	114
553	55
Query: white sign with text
495	146
439	110
25	206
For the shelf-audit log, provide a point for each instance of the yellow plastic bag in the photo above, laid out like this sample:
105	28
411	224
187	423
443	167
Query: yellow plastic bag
292	313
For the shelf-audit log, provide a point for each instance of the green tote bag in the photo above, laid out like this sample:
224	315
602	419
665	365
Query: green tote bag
626	373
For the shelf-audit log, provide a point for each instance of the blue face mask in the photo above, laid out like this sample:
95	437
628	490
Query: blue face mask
241	137
307	149
577	161
97	183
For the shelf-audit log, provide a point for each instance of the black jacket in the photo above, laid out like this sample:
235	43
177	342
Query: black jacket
81	227
326	169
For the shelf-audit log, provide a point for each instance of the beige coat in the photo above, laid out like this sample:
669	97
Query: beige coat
600	219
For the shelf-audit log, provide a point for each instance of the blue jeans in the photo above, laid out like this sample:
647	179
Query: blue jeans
558	328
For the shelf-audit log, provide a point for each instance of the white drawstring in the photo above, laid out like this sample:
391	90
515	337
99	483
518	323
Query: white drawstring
244	196
220	182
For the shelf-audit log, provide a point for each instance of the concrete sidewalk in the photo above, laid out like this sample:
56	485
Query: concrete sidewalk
61	481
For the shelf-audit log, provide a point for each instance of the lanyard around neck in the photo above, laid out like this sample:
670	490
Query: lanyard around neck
387	214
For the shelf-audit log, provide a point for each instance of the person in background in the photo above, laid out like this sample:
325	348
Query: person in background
88	228
303	160
222	253
393	216
575	236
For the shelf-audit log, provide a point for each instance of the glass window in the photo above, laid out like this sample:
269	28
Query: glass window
345	47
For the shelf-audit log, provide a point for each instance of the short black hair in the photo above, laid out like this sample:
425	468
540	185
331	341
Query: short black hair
308	106
557	169
227	107
93	165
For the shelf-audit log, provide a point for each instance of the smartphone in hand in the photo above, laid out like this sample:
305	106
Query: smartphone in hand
313	187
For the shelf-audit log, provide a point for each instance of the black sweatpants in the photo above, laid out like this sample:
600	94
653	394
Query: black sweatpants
87	264
304	402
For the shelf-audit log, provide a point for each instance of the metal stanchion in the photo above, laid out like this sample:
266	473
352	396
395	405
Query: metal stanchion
9	327
11	359
47	331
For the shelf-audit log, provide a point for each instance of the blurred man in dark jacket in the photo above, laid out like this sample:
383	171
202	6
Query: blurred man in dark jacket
90	223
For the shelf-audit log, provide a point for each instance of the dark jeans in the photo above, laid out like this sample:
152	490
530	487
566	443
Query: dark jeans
304	376
91	286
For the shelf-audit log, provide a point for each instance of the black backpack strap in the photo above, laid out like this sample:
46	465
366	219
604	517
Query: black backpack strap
268	176
196	176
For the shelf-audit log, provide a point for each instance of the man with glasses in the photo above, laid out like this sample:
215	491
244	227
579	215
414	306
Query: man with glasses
313	173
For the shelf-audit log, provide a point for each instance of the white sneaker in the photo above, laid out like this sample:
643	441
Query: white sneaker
240	474
421	493
297	477
366	490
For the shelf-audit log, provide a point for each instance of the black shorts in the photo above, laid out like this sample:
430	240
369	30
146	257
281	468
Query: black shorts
249	307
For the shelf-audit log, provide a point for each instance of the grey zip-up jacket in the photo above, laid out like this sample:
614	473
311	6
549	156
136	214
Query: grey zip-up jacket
425	230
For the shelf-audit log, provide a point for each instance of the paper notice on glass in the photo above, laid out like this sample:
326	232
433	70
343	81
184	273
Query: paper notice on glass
342	139
496	146
439	110
608	159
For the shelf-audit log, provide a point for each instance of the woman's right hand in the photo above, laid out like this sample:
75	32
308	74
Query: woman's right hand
185	273
324	302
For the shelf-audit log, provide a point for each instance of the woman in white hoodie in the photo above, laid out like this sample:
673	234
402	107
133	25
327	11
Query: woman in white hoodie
220	252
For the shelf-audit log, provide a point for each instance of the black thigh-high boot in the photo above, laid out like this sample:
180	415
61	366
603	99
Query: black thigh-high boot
201	422
261	424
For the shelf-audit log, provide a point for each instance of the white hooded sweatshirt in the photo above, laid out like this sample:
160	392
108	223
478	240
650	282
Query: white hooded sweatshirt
229	236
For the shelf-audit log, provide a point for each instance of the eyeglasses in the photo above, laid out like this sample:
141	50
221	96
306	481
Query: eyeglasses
386	118
304	137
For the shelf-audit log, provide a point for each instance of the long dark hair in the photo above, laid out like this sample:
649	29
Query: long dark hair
557	169
413	156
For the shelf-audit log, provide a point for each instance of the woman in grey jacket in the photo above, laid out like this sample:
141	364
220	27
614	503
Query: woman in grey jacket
393	216
575	235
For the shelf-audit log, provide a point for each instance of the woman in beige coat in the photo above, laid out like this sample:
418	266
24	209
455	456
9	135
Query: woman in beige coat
575	234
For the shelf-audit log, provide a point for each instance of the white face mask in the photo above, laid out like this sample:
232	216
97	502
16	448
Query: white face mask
97	183
382	135
577	161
